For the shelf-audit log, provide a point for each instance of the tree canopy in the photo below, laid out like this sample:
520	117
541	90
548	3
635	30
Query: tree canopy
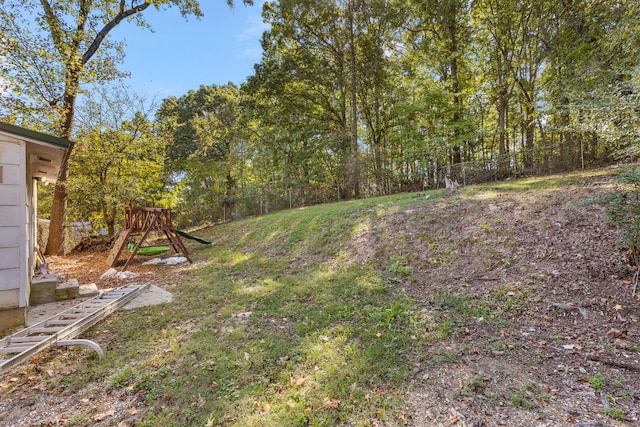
356	98
50	49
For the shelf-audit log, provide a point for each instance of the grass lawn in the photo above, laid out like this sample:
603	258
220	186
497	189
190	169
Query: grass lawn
274	325
413	309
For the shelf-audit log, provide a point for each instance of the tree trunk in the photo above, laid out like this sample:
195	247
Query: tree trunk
503	105
455	87
568	140
55	243
530	133
355	163
109	214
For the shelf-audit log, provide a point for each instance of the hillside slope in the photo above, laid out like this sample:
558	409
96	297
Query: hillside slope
507	304
497	271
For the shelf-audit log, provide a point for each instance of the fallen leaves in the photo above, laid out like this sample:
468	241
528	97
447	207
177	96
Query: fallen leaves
199	403
332	403
265	409
300	381
103	415
616	333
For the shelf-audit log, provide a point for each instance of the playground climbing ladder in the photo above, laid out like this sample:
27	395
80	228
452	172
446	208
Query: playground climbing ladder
64	327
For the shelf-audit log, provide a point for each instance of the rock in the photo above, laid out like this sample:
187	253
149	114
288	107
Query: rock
88	291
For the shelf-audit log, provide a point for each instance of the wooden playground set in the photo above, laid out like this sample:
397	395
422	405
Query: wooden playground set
148	222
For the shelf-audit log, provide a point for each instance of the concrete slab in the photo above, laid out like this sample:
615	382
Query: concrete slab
40	312
154	295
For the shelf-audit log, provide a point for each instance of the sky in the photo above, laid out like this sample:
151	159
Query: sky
181	55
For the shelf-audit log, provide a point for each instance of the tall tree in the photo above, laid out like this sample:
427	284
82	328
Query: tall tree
439	31
117	157
496	20
310	57
52	48
207	144
593	51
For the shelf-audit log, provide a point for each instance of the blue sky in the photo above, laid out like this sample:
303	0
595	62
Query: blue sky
181	55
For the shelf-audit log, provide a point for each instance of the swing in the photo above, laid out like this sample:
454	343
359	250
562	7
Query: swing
149	250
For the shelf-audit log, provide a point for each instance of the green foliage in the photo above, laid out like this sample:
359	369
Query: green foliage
530	397
117	159
355	98
597	381
614	413
209	143
399	265
623	210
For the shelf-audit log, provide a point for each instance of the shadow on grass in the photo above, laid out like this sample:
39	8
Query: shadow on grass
270	327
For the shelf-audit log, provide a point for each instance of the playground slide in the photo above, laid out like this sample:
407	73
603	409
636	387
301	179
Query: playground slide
189	236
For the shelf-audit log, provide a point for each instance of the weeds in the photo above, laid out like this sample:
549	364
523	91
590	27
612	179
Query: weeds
597	381
530	397
614	413
399	265
623	210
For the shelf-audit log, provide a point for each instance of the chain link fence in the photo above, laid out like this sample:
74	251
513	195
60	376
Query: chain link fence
493	167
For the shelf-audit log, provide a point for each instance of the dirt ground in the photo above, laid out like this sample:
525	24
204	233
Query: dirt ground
88	266
568	352
563	351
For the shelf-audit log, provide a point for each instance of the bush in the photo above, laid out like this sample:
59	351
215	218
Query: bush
623	210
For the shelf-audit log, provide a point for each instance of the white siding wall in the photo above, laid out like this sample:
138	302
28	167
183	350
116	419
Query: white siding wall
13	217
32	224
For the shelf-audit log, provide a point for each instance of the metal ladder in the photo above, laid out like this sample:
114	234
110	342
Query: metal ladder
61	329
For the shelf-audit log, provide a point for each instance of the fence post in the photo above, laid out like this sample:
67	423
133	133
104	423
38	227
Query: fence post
464	176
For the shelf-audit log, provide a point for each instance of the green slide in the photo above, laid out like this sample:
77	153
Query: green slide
189	236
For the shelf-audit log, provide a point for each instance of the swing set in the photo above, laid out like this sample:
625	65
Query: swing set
143	221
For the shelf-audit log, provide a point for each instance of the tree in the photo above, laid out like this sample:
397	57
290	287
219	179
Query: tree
117	158
206	135
592	78
441	30
307	57
51	48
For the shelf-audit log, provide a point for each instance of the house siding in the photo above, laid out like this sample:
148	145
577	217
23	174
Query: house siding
13	220
25	156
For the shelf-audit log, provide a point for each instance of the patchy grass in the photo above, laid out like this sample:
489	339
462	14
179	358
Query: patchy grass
272	326
390	311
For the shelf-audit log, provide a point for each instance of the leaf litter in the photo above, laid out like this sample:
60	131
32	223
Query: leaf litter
534	288
549	270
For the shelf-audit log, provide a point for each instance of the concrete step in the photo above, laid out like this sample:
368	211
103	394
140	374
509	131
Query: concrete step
67	290
43	289
46	288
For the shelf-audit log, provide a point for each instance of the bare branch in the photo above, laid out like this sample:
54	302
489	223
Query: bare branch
122	14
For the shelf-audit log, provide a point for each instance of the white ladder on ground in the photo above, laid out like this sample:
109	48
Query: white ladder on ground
64	327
